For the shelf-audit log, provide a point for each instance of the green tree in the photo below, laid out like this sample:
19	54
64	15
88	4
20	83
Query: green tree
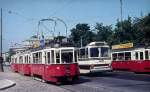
81	31
104	33
124	32
142	28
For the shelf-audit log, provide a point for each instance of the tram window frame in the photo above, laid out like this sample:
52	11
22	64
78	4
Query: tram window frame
57	53
52	56
83	53
40	58
126	56
15	60
75	56
116	56
102	55
25	59
141	56
29	59
93	55
37	58
20	59
34	58
48	57
146	55
136	55
68	56
121	57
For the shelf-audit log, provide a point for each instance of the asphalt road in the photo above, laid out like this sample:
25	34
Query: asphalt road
98	82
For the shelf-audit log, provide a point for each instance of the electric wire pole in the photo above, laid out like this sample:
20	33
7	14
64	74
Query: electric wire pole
1	57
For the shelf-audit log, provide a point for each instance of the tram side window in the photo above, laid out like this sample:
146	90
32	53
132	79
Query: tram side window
94	52
20	59
146	55
104	52
48	57
82	53
127	55
58	57
52	56
29	60
15	60
34	58
141	55
40	58
136	56
25	59
67	57
120	56
114	56
75	56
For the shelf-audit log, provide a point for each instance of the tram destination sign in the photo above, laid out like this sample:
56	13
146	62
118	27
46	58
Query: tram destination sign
122	46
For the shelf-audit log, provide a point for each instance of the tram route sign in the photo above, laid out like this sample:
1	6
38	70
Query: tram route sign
122	46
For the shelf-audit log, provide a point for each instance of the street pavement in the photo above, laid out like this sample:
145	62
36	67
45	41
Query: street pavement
98	82
5	83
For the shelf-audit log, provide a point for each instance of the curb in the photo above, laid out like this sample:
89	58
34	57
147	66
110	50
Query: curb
5	83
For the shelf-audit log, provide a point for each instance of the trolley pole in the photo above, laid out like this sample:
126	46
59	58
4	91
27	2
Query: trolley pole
1	57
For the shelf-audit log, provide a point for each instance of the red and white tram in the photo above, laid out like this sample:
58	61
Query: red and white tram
131	59
50	64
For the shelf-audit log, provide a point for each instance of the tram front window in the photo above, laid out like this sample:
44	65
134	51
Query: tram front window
67	57
94	52
104	52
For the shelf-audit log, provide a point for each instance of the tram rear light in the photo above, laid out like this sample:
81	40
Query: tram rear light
57	68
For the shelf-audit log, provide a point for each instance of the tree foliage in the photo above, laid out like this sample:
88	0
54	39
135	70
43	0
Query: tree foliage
81	31
135	30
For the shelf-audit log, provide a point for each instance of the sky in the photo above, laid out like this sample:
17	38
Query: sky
21	17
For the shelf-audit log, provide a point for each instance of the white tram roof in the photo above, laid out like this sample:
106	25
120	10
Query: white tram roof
49	48
96	44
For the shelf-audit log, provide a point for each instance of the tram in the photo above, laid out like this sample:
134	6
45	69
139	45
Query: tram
95	57
50	64
134	59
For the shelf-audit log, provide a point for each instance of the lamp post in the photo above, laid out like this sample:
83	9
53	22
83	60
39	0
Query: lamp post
1	58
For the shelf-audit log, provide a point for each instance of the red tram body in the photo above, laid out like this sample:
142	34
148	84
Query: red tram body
14	67
51	64
131	59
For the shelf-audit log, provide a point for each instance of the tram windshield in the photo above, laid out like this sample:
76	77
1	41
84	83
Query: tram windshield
104	52
99	52
94	52
66	56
